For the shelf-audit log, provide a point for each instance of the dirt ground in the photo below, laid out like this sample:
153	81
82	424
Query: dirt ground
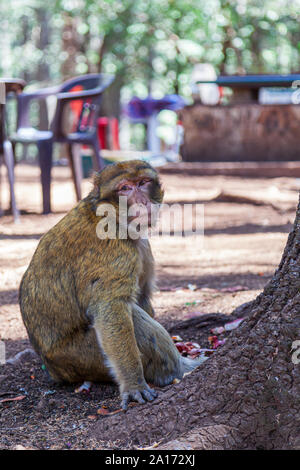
246	224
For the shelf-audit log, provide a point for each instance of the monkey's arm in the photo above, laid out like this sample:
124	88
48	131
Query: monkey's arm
147	282
115	332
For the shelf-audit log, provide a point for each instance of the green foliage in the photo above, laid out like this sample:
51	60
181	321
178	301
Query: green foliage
148	44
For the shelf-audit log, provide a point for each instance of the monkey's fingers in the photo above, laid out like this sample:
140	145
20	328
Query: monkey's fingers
129	396
149	394
140	396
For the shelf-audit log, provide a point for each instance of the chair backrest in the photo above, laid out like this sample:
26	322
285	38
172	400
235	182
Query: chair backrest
87	82
83	93
78	104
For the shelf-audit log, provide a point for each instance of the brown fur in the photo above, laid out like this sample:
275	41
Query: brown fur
86	302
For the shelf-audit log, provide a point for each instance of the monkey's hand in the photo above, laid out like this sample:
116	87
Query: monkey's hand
141	396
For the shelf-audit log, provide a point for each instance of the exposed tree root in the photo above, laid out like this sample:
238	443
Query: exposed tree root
250	385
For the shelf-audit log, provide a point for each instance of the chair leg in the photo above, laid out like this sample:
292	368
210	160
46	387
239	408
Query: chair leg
10	162
45	160
14	151
98	163
1	210
74	155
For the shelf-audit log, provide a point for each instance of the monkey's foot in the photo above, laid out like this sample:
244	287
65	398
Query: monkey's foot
141	396
85	387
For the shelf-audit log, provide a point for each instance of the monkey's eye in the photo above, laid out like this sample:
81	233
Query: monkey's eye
124	188
143	182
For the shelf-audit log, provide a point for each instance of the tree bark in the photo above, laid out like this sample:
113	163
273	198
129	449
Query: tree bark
110	105
249	388
70	45
43	41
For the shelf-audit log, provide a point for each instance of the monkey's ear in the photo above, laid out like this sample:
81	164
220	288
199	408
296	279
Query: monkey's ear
96	179
157	192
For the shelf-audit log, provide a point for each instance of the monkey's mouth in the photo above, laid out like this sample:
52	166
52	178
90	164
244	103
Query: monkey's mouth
142	215
141	219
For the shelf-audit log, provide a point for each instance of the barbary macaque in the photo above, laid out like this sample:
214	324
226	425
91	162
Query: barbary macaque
86	300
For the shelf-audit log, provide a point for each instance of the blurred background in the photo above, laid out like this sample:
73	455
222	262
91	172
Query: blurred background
231	145
151	47
158	51
147	44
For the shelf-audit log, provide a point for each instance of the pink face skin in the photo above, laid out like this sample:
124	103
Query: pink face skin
137	192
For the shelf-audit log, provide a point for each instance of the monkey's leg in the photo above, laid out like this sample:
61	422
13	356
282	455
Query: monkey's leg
161	360
78	360
115	334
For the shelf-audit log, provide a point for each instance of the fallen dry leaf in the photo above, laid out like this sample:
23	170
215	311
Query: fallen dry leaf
215	342
102	411
156	444
227	327
116	411
20	397
176	338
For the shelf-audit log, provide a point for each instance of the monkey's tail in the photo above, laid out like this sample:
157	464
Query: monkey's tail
188	365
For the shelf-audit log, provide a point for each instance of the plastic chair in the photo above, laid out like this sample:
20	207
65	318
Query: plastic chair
11	86
74	122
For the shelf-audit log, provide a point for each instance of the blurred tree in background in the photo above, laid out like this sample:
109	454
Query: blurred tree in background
148	45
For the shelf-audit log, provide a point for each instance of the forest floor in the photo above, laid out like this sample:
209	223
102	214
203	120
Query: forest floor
246	223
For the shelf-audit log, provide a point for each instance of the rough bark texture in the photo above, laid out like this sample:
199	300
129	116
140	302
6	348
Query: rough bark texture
240	132
207	438
249	389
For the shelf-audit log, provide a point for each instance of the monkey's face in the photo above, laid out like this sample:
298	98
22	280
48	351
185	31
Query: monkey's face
137	195
134	189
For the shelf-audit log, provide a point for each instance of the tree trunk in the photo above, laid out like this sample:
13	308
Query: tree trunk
246	396
70	45
24	37
110	105
43	41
